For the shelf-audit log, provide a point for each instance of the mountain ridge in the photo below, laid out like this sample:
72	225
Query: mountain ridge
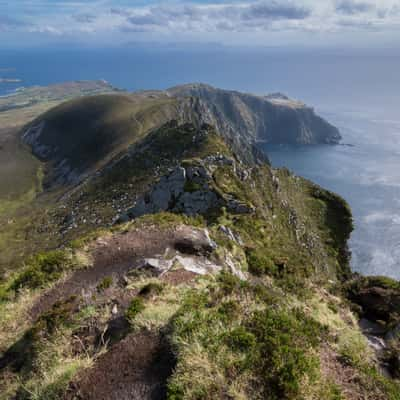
242	119
178	264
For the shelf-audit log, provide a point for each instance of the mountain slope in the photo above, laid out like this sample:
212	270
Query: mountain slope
271	119
81	136
181	265
229	273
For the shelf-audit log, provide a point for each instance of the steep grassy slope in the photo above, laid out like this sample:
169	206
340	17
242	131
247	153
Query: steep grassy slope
21	173
82	136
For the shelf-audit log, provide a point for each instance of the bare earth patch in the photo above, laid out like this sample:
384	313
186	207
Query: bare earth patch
118	254
136	368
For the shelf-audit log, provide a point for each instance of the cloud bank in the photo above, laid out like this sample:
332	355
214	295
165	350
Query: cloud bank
258	21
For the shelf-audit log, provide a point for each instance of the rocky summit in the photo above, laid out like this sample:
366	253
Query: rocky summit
150	251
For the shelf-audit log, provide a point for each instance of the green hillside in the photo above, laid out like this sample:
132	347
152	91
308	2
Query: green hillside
162	260
82	135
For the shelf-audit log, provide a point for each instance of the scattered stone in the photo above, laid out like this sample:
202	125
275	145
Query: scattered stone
239	207
231	236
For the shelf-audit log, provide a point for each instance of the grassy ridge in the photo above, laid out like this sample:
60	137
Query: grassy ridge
89	132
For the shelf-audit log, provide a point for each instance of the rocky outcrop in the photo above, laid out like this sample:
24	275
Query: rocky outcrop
378	302
270	119
378	298
188	190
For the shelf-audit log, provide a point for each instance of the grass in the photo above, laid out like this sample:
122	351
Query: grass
54	367
43	359
14	317
161	301
105	283
51	385
259	263
119	122
228	339
42	269
135	307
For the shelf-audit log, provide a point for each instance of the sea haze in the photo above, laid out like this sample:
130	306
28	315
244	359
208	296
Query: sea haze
357	91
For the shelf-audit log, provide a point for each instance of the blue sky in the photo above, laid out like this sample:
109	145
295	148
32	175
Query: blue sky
363	23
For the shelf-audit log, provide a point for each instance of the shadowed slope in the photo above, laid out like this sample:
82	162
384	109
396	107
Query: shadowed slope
81	136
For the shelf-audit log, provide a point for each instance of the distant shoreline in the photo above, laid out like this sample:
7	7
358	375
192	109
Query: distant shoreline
10	80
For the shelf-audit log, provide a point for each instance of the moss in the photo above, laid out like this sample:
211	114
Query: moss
259	263
191	186
240	339
42	269
135	307
284	343
228	282
105	283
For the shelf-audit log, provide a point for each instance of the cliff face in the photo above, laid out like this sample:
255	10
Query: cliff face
272	119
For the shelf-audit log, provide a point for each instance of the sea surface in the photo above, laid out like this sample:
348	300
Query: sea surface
358	91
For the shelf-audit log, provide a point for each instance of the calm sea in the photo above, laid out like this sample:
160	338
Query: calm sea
357	91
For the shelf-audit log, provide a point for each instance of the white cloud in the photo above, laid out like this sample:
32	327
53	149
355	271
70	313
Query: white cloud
258	21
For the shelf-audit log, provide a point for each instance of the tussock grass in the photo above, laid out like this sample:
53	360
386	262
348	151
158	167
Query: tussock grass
229	337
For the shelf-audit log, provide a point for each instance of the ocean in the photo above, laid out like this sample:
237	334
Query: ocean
358	91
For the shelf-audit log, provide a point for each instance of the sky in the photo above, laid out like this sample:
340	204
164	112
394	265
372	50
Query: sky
306	23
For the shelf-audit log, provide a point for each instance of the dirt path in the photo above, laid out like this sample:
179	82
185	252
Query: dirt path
116	255
137	368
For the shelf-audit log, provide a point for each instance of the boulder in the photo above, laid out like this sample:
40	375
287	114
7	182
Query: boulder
378	297
194	241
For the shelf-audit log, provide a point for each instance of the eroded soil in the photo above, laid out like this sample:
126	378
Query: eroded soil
136	368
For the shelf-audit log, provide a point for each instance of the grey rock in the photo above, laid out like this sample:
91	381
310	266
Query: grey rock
195	241
197	202
257	118
238	207
169	194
